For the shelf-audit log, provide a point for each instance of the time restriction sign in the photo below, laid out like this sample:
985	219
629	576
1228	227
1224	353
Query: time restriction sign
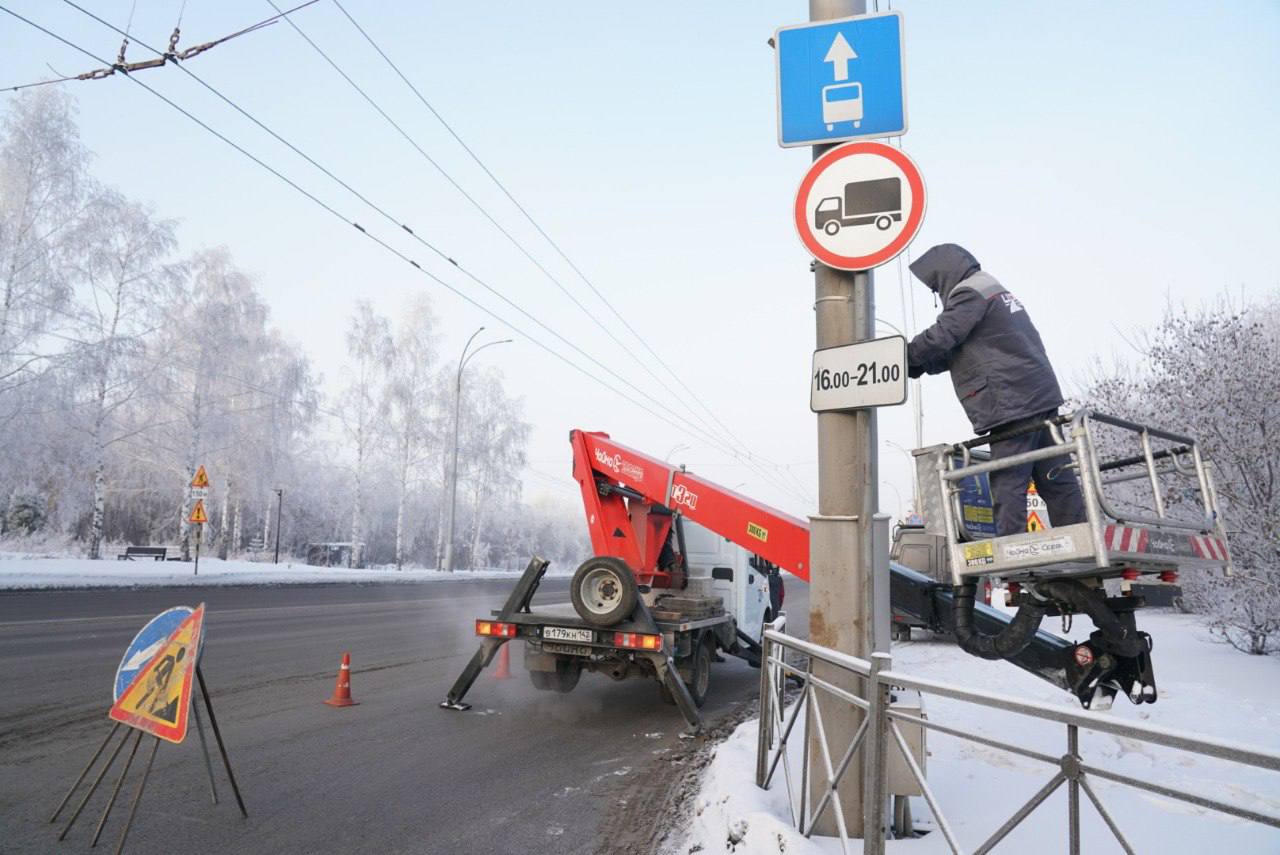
861	375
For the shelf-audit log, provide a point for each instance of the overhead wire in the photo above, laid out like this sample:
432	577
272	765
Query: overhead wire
434	248
732	438
706	432
668	418
477	205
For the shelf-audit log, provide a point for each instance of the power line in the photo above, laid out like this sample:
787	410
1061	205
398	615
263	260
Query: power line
476	204
705	429
687	427
753	460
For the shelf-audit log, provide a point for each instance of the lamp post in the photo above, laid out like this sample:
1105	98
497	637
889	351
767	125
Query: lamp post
279	506
446	563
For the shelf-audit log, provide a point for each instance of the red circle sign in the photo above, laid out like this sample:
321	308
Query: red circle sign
859	205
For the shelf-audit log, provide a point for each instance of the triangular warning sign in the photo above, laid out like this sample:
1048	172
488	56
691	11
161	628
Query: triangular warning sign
159	698
201	480
1033	522
197	513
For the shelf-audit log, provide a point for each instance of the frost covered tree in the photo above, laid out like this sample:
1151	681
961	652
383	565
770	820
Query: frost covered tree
123	277
409	405
42	178
1211	374
369	348
494	440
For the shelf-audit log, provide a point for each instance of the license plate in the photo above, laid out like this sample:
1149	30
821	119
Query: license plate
570	649
561	633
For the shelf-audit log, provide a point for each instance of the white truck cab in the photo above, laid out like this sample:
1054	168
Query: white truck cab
720	568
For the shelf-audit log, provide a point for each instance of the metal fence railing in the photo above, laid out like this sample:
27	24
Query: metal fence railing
781	711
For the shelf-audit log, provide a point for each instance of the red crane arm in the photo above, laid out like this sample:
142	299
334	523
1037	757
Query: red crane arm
629	496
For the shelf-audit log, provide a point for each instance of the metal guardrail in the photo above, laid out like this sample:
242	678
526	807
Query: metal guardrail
880	723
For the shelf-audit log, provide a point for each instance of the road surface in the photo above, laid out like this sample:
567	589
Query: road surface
523	771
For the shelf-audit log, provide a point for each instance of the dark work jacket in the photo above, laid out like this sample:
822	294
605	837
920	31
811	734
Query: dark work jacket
985	338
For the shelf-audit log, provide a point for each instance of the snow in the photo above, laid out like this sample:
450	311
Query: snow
25	571
1206	688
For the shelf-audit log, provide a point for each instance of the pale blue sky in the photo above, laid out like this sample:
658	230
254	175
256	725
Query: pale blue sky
1100	159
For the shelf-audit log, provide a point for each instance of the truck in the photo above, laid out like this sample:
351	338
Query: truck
877	201
685	569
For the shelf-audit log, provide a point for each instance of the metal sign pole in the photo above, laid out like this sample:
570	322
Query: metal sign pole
841	550
196	569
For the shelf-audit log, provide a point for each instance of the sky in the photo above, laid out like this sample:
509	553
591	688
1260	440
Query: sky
1105	161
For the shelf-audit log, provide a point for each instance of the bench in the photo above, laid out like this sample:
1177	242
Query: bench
155	553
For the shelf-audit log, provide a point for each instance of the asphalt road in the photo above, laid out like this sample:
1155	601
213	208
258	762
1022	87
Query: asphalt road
522	771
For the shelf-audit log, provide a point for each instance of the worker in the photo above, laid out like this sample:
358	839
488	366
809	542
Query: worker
1003	378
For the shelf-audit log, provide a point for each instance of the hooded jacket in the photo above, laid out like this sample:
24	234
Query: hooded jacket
985	338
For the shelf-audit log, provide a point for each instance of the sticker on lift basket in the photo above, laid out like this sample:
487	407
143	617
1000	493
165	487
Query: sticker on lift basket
1060	545
979	554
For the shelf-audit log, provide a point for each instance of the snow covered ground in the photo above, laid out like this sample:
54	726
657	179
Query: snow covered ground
1205	687
26	571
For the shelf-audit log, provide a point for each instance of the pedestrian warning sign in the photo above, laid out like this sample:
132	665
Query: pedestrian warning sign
198	514
201	479
159	698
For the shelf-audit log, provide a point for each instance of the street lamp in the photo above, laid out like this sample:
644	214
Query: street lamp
915	482
674	449
446	563
896	493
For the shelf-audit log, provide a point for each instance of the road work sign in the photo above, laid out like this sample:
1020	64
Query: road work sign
859	205
857	376
145	645
200	484
841	80
198	514
158	700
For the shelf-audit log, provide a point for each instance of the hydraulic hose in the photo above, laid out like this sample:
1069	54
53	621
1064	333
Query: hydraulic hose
1011	641
1113	634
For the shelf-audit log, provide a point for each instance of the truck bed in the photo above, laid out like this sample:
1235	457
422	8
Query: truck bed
562	614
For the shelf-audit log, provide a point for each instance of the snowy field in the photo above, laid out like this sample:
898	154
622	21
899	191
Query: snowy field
18	571
1207	688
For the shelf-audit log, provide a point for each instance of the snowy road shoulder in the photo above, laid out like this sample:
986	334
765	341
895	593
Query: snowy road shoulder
26	572
1206	688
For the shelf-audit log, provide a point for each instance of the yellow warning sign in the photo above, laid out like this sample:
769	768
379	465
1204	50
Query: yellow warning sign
197	513
979	553
1033	521
159	698
201	479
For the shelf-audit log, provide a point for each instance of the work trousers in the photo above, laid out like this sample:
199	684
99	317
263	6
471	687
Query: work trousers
1055	480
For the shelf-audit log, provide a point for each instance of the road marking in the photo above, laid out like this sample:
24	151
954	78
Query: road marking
365	604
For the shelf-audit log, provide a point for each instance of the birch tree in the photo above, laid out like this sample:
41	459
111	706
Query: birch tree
369	348
410	406
125	277
495	446
1212	374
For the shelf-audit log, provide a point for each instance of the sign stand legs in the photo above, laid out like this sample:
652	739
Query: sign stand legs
111	802
204	749
93	788
80	780
217	735
137	797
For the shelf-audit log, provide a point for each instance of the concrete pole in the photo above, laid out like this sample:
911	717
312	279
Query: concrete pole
841	548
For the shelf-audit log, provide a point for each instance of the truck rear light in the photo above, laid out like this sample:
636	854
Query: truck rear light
496	629
637	641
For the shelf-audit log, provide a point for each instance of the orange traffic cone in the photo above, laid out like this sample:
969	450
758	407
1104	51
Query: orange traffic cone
503	671
342	689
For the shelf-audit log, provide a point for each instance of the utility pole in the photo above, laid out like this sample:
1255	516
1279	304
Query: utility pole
841	547
279	507
446	563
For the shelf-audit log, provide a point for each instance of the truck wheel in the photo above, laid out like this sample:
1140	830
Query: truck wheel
883	222
832	227
603	591
562	680
700	679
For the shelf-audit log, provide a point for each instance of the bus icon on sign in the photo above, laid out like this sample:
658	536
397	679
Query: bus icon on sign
842	102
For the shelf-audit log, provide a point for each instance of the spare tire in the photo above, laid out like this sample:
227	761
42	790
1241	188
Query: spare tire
603	591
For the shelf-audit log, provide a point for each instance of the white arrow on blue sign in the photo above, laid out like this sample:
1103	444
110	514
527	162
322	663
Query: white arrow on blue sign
145	645
841	80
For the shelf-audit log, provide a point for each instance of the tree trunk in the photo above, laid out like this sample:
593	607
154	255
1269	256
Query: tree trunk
237	530
224	522
357	514
404	494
